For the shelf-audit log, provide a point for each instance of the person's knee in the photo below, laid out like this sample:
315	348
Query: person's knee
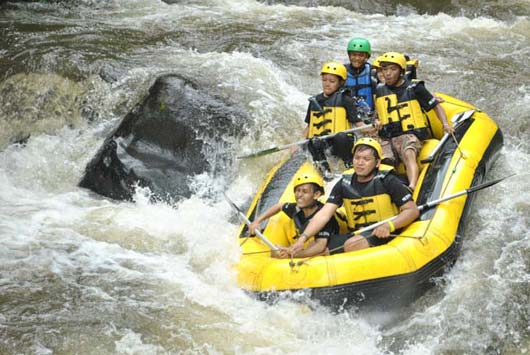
409	154
356	243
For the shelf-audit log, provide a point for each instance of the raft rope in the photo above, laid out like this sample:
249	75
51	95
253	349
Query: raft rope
417	237
453	171
458	146
303	261
245	240
256	252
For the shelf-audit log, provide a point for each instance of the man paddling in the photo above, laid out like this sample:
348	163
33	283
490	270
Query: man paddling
370	192
308	187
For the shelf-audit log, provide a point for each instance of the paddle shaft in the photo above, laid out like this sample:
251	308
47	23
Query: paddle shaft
285	146
244	218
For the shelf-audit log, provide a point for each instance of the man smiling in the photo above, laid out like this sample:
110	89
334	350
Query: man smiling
370	193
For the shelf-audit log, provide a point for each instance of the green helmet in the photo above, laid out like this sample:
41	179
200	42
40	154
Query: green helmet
359	45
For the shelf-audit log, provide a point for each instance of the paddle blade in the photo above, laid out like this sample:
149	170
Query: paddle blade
260	153
487	184
231	203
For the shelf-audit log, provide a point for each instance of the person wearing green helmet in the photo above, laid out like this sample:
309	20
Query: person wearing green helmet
360	82
308	188
370	192
401	107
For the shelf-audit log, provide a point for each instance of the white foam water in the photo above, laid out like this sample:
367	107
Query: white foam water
80	273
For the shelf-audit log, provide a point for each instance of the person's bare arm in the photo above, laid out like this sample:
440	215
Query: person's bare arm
407	214
315	225
271	211
315	248
443	118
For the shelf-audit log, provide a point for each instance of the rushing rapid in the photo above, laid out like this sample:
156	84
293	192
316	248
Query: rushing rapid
80	273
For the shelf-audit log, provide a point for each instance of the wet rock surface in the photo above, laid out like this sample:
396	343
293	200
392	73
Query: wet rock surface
176	132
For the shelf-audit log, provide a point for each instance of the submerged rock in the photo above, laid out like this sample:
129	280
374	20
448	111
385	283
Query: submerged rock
176	132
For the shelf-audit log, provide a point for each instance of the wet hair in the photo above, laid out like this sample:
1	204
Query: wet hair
316	188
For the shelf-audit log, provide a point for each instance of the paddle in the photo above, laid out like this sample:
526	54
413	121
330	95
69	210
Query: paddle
421	208
245	220
434	203
305	141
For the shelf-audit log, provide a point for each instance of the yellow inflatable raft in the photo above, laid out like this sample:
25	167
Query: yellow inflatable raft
402	269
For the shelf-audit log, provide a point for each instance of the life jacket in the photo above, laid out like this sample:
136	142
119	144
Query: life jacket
402	114
297	219
300	221
367	203
331	119
360	85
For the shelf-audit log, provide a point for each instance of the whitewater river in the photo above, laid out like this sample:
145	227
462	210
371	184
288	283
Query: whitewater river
82	274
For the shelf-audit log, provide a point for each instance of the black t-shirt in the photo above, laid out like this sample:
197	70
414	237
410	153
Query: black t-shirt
347	103
424	97
331	228
399	193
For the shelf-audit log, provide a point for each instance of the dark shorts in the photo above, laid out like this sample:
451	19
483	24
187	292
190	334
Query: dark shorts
374	241
336	242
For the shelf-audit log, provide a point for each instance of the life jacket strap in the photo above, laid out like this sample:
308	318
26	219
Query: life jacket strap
322	123
362	214
320	113
396	107
363	202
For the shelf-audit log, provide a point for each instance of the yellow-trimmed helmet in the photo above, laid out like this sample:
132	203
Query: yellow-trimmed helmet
334	68
308	178
395	58
377	62
371	143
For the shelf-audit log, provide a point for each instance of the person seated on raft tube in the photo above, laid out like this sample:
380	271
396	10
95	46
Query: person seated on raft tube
370	193
329	112
360	82
400	105
308	187
410	72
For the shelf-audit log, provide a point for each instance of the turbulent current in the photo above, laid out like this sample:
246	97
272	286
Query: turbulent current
82	274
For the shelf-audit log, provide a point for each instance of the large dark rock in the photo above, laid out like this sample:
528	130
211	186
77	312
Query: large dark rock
176	132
